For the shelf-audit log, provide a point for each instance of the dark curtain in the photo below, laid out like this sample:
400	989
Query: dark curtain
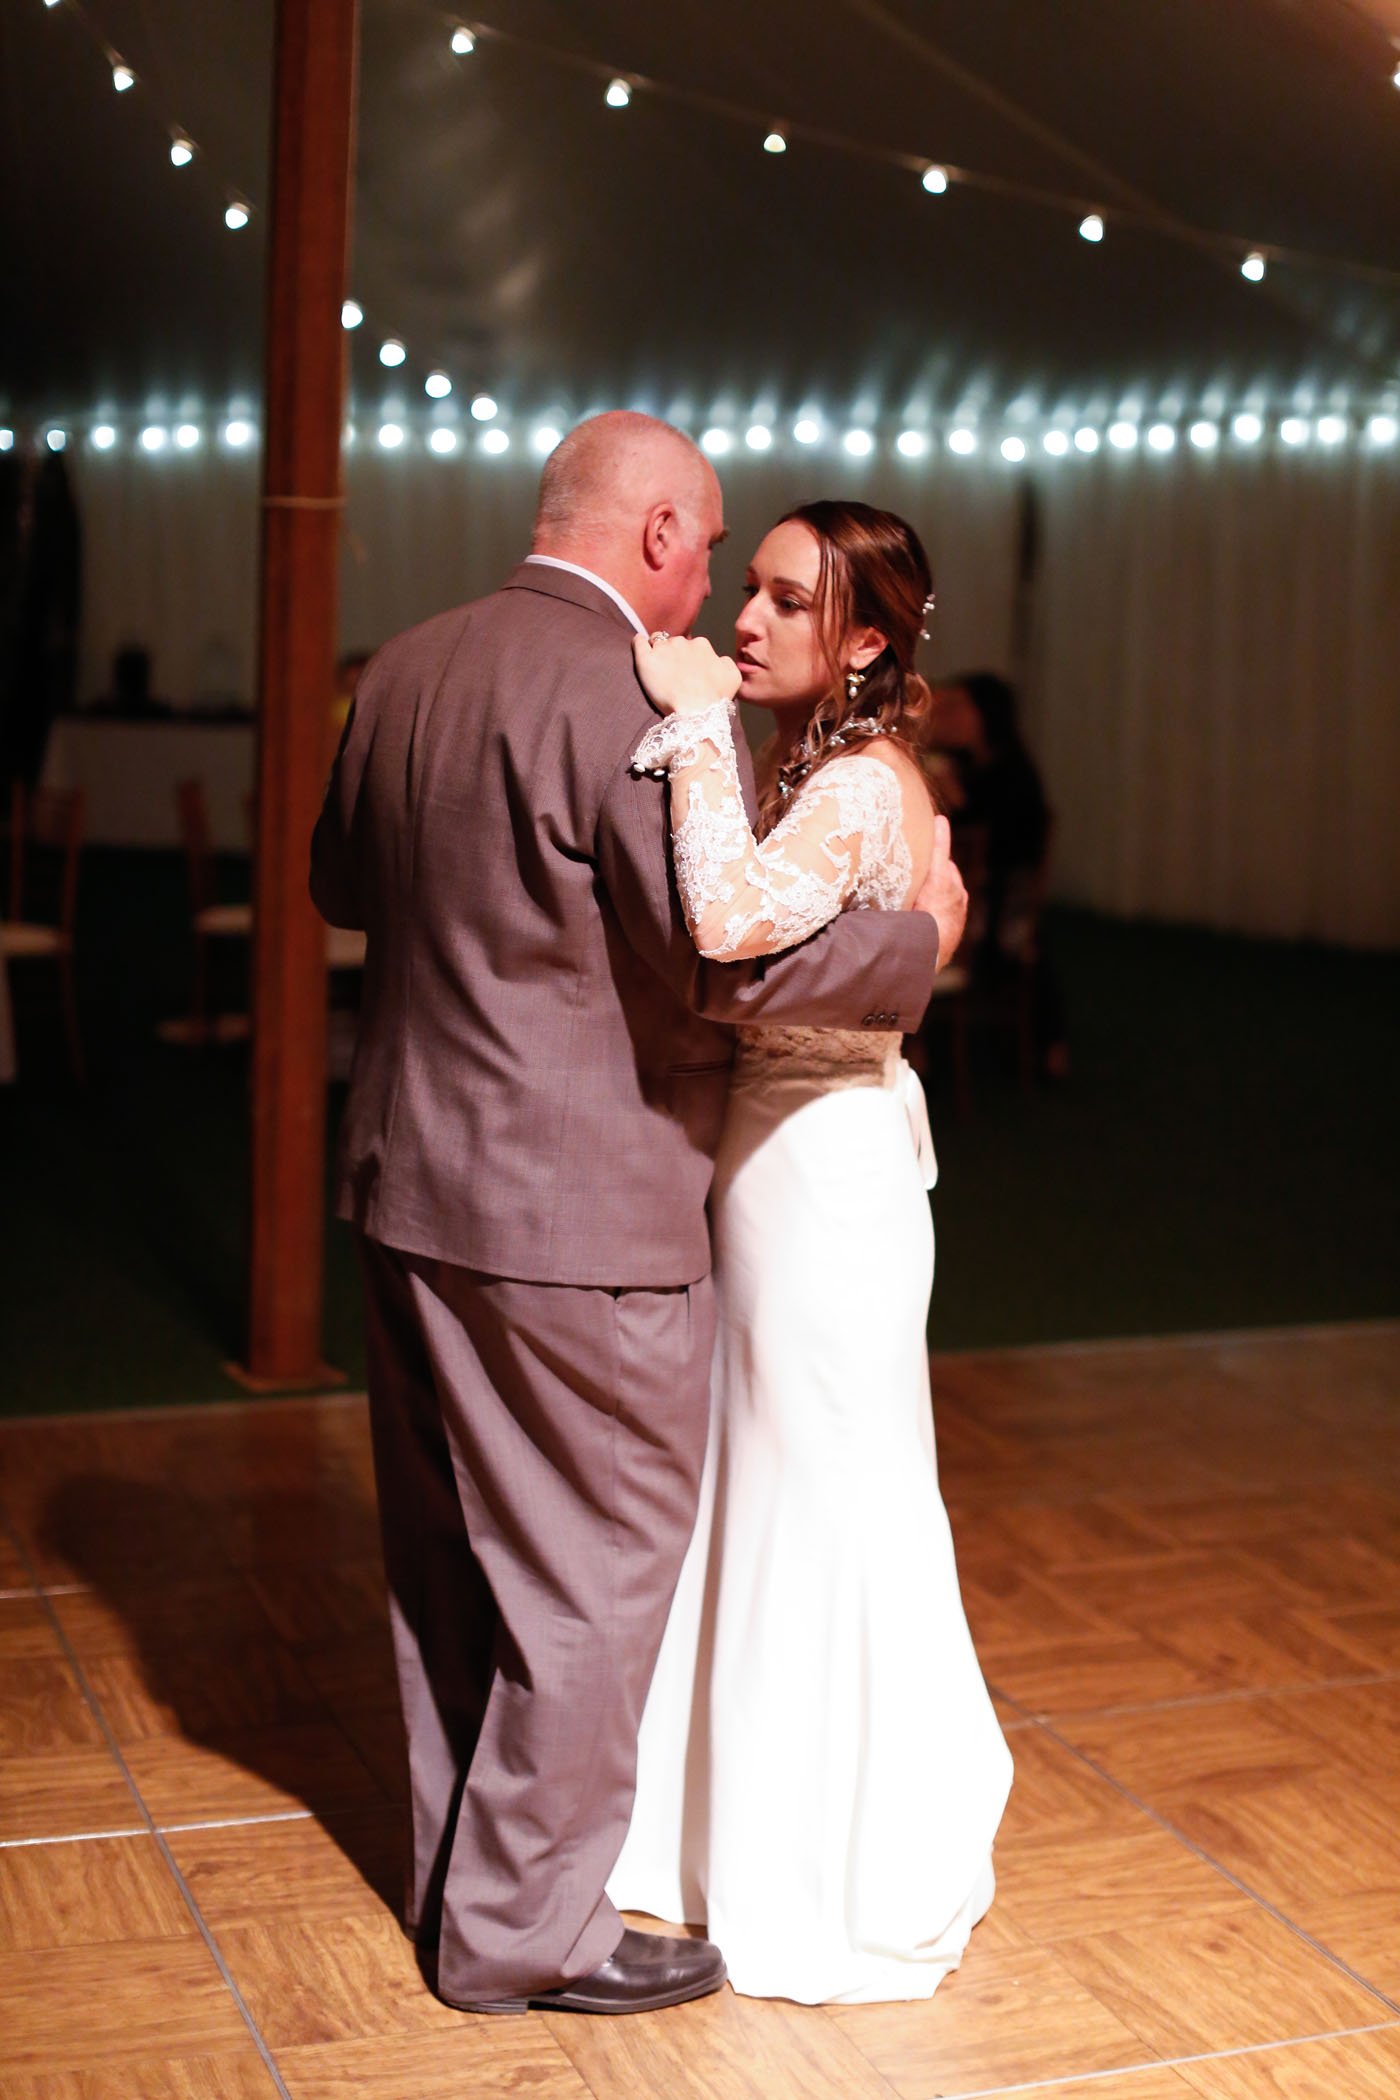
40	599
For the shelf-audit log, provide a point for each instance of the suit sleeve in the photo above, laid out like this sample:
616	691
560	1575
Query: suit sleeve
867	969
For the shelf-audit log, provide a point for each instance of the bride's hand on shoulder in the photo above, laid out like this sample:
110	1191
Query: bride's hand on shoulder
681	675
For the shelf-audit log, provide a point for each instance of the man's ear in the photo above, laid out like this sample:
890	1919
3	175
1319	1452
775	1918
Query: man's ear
659	535
864	646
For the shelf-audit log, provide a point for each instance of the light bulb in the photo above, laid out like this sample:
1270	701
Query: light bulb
544	438
1056	443
1253	266
1123	435
7	440
1394	78
775	143
483	408
807	430
351	313
1383	430
859	443
1331	430
911	444
392	352
1086	439
181	150
619	94
390	436
237	216
442	441
153	438
962	439
104	437
238	433
187	436
1013	448
495	441
56	440
716	442
1293	430
1091	227
1204	436
934	179
463	42
438	385
1247	428
758	437
122	78
1162	438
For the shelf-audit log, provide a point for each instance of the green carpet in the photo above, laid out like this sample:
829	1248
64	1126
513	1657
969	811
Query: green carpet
1223	1155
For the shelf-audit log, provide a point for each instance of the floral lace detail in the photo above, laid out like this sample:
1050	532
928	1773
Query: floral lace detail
839	843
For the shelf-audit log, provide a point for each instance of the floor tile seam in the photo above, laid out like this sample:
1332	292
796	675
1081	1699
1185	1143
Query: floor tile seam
1272	1910
1171	2063
1235	1695
201	1923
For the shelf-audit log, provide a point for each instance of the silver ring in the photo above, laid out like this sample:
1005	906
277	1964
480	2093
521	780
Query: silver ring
660	635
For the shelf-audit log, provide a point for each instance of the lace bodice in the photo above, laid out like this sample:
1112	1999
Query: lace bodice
839	844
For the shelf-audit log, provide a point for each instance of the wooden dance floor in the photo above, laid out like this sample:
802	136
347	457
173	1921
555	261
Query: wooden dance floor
1182	1565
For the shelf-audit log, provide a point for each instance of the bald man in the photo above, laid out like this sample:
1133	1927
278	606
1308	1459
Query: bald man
536	1098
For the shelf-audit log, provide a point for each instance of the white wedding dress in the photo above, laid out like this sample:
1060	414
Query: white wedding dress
821	1774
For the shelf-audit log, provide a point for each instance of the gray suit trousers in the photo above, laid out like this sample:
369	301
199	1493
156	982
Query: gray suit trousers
537	1451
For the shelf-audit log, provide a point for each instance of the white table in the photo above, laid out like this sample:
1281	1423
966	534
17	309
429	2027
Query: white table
129	771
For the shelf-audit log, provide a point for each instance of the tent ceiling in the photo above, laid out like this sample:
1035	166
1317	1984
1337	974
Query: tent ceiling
512	229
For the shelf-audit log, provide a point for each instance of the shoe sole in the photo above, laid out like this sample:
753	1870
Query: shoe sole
571	2002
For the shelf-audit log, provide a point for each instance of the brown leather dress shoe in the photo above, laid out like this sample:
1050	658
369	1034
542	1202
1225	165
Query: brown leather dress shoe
645	1971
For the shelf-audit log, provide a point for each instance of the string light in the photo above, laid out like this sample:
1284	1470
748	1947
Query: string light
443	440
238	433
911	444
438	385
122	77
1394	78
484	408
716	442
56	440
391	436
934	179
463	42
758	437
776	142
1013	449
1293	430
859	443
1247	428
181	150
1254	266
1331	430
963	440
619	94
496	441
1056	443
351	313
807	430
1162	438
1086	439
1204	436
187	436
1124	435
153	438
237	215
1091	227
7	440
544	438
104	437
392	351
1383	430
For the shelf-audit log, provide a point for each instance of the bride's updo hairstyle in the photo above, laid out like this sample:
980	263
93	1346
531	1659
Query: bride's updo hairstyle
874	573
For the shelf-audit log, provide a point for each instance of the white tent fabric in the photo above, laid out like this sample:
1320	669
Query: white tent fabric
1213	685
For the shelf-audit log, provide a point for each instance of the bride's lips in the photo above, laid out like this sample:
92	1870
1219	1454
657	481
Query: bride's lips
746	662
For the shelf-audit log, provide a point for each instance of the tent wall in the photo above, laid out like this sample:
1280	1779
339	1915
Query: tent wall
1213	691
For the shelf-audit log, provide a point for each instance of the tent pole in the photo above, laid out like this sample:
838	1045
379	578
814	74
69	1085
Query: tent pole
304	412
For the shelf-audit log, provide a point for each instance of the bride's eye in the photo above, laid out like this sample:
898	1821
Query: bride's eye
750	590
791	605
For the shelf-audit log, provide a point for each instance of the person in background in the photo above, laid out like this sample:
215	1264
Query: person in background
992	786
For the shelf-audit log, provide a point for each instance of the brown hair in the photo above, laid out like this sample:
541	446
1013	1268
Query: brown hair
874	573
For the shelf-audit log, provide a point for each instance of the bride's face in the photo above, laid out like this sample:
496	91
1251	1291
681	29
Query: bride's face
777	644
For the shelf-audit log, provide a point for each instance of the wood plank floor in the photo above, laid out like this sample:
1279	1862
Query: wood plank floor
1182	1565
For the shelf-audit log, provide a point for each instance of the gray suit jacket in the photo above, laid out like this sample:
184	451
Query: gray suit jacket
540	1077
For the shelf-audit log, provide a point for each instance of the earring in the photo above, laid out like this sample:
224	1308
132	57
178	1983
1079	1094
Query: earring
854	681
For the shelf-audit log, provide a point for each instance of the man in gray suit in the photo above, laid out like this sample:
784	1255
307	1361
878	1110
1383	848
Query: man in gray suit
536	1098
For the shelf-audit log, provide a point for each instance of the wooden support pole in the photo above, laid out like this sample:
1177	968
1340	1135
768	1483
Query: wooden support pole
304	413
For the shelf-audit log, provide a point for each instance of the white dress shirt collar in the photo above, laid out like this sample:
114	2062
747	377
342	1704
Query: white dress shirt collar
550	561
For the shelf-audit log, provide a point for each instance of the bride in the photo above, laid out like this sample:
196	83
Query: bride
821	1774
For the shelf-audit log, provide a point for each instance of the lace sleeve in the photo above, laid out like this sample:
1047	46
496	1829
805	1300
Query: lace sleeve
840	841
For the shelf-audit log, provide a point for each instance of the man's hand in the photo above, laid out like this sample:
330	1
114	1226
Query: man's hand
943	895
683	676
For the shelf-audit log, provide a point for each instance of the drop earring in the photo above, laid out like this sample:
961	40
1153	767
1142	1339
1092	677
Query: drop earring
854	681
